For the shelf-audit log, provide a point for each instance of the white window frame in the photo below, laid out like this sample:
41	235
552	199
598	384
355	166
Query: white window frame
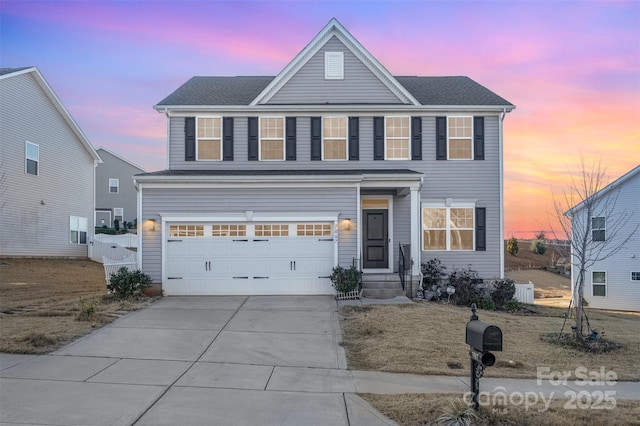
282	140
208	139
448	206
386	157
603	229
449	138
346	139
115	181
26	158
631	278
334	65
606	290
76	224
115	213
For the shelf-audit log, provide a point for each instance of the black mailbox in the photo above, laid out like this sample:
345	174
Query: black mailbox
484	337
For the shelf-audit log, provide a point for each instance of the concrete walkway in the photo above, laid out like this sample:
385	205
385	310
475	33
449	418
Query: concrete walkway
260	360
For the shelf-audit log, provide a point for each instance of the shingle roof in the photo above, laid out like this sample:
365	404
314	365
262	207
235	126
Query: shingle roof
242	90
306	172
4	71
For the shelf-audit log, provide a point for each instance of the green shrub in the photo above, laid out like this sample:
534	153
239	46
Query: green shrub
116	224
105	230
538	246
485	302
467	284
513	305
345	279
125	284
512	246
433	273
87	310
502	291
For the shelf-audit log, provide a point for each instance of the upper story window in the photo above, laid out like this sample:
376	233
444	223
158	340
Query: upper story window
334	138
460	140
397	134
118	213
635	276
32	158
114	185
447	228
78	230
333	65
209	139
271	139
598	231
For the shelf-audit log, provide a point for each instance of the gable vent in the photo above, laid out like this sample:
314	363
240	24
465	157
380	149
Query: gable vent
333	65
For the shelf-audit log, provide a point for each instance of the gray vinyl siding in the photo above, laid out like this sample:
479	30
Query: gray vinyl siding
401	226
35	210
207	202
468	180
127	197
621	292
359	86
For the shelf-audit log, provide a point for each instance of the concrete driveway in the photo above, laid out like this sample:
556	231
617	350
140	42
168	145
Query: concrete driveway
266	360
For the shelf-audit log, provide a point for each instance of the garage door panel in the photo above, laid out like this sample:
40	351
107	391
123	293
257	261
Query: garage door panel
216	263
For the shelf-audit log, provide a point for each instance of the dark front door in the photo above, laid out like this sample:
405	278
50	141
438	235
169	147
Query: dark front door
376	239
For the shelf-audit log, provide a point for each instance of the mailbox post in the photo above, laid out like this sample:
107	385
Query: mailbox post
482	338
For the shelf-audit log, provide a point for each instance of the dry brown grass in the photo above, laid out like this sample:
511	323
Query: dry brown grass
424	409
42	300
426	338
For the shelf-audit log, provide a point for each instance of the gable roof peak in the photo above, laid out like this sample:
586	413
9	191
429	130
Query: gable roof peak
334	28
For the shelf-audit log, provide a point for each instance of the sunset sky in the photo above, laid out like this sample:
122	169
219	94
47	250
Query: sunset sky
571	68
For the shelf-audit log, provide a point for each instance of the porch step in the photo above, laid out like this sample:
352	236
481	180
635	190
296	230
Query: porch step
381	286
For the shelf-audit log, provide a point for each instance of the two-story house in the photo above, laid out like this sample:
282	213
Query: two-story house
47	170
272	181
116	195
611	220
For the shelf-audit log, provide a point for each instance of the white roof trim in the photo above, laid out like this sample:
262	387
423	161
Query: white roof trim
616	183
334	28
60	107
121	158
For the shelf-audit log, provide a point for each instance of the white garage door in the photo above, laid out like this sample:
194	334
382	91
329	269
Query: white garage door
243	258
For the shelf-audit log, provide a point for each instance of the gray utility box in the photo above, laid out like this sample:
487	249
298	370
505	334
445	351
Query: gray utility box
484	337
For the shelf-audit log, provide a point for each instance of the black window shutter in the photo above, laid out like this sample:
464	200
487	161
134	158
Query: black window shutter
478	138
316	138
481	229
441	138
416	138
227	139
252	131
291	138
378	138
354	138
189	139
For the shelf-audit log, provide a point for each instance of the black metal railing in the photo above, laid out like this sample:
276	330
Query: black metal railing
404	264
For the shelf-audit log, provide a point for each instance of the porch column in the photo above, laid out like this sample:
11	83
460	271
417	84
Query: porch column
415	231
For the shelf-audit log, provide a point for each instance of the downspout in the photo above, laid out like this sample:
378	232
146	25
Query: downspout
166	113
501	167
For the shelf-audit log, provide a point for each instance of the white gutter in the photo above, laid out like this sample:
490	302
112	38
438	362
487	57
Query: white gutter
500	135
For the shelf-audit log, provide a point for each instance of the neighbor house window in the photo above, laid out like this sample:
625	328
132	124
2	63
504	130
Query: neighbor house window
635	276
397	134
598	228
118	214
447	228
272	138
32	158
114	186
209	139
460	137
78	230
333	65
599	283
334	138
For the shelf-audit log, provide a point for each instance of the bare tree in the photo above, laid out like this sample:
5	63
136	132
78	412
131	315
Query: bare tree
576	210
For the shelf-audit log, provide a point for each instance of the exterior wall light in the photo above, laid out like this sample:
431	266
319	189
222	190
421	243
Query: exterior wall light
152	225
346	224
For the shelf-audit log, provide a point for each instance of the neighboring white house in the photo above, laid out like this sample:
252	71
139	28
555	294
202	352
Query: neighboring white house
116	195
613	283
47	169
